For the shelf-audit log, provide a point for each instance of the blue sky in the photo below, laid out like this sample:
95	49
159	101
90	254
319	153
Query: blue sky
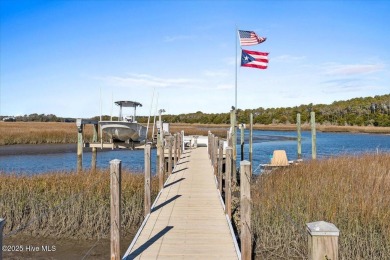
57	56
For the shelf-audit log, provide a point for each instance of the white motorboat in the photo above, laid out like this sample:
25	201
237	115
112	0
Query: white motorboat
126	129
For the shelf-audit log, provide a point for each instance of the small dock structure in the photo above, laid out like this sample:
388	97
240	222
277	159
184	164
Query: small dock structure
187	220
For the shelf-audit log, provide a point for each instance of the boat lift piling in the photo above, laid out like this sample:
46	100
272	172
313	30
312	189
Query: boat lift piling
80	123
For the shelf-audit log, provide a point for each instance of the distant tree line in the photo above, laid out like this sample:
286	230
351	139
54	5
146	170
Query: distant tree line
38	118
367	111
373	111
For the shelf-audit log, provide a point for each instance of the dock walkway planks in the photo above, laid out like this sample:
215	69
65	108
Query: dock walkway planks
187	221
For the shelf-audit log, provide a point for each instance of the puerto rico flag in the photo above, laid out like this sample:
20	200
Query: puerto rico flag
254	59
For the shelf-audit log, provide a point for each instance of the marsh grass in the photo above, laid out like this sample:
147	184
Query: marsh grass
69	205
40	133
351	192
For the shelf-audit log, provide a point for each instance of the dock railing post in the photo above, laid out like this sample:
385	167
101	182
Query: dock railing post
220	161
242	128
322	240
229	139
80	144
212	149
147	198
215	162
251	139
313	135
174	150
228	182
94	149
178	146
158	144
299	136
2	223
245	209
208	143
234	145
169	140
115	202
182	140
161	166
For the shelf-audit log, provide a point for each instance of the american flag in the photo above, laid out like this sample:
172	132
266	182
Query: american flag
250	38
254	59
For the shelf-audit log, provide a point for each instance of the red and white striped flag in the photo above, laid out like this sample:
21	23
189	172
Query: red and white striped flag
250	38
254	59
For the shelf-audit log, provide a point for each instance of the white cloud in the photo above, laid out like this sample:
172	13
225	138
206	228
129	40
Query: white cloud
145	80
351	69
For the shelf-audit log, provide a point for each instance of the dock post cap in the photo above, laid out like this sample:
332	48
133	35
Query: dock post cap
322	228
245	162
115	161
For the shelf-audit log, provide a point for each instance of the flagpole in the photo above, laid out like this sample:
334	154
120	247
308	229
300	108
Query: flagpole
234	123
235	96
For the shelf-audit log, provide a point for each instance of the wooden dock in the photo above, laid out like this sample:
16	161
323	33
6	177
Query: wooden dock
187	220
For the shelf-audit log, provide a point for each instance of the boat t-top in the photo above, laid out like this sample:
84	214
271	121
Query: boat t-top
126	129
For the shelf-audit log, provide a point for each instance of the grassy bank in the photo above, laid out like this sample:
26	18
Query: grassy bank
351	192
68	205
52	133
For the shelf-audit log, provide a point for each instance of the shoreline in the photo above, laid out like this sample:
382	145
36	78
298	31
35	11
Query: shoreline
33	149
293	127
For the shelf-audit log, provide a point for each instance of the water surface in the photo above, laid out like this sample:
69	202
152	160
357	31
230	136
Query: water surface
264	143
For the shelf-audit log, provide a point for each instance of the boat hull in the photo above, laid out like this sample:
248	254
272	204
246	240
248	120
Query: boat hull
124	131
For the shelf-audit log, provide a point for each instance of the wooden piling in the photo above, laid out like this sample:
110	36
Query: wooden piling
182	141
299	136
169	141
209	144
242	128
234	145
322	240
313	135
80	144
220	161
94	149
179	145
174	150
161	166
147	197
228	182
245	208
251	138
215	152
158	147
115	202
212	140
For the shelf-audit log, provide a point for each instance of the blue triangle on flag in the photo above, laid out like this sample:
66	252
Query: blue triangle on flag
246	58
